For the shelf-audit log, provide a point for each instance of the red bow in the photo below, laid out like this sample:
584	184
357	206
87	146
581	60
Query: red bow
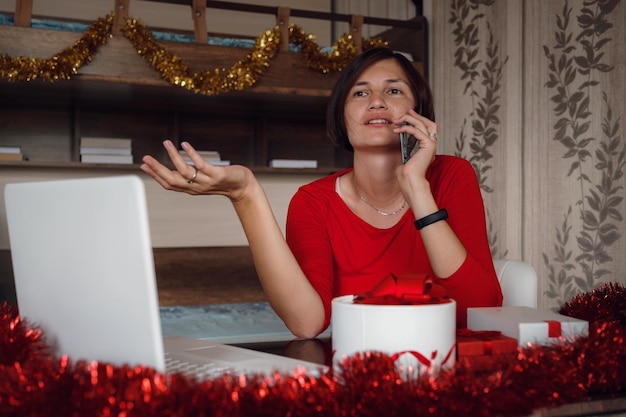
423	359
405	290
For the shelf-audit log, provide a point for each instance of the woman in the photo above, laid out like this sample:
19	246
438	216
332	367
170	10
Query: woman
347	231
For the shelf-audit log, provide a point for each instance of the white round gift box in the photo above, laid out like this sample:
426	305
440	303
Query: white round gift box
421	336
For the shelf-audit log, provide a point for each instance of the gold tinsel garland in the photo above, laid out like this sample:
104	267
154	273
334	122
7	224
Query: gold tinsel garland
243	74
62	65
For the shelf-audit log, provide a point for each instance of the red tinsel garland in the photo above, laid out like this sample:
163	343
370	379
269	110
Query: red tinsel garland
32	382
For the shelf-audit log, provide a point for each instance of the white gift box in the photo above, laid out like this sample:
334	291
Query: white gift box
421	338
526	324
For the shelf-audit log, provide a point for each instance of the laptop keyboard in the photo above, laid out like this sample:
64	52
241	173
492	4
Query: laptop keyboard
197	370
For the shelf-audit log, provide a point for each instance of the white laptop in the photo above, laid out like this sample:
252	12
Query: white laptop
84	274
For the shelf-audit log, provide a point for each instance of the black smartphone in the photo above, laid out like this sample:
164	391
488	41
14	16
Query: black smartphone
407	143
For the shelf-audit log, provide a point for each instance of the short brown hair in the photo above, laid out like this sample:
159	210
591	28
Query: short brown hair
335	116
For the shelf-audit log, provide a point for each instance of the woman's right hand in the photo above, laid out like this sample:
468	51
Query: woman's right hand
230	181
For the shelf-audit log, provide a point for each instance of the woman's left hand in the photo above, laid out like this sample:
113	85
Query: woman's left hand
412	175
425	132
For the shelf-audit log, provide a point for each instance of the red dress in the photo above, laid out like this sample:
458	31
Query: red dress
341	254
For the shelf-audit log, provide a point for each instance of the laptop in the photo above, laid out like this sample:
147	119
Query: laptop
84	273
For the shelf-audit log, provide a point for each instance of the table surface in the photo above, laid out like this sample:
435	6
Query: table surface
251	325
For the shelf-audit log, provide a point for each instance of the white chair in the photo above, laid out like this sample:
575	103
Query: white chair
518	281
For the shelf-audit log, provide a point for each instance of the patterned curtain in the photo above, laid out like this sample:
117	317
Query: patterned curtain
532	93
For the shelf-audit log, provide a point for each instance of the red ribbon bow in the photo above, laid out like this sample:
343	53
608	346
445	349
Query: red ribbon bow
421	358
405	289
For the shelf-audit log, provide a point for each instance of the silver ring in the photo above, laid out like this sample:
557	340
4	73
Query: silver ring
432	134
193	178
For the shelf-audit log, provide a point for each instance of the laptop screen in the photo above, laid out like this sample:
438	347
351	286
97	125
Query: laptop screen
83	267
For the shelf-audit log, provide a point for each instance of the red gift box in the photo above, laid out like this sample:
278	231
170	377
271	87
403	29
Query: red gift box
482	347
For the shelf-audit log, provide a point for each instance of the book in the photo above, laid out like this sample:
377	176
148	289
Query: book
208	159
204	154
212	157
11	149
11	156
213	161
107	159
221	162
107	151
293	163
98	142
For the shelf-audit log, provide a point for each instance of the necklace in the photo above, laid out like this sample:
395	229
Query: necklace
379	211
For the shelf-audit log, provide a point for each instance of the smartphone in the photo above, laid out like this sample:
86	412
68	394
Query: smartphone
407	144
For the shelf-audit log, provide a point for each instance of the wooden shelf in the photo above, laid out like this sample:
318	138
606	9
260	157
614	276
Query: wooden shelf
48	119
325	170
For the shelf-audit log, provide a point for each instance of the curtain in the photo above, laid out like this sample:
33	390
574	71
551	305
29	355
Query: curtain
532	93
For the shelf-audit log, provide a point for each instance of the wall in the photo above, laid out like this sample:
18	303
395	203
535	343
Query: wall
176	220
532	93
